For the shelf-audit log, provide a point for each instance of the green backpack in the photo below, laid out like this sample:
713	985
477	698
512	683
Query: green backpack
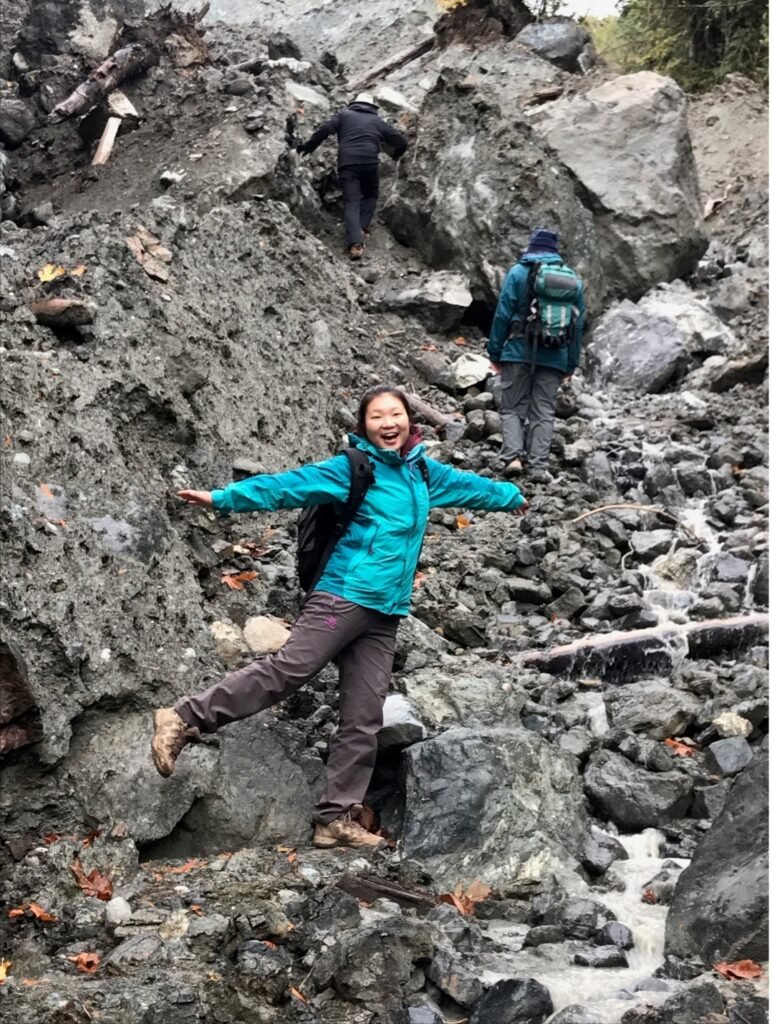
552	302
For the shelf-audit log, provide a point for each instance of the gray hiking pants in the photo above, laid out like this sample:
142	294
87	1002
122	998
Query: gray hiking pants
528	394
363	641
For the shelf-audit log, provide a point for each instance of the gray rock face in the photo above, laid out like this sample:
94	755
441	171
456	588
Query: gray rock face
634	350
16	122
497	804
645	198
729	756
720	907
600	851
633	797
438	300
558	40
651	706
601	956
401	726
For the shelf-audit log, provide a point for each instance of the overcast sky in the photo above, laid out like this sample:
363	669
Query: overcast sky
598	8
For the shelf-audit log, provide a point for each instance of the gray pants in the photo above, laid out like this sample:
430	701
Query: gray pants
528	394
363	641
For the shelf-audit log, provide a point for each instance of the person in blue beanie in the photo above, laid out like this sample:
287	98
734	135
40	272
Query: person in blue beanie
535	343
353	610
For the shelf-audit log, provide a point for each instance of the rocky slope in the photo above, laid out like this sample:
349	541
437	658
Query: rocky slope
214	329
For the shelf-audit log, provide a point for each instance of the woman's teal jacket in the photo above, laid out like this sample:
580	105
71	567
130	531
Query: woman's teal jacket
374	563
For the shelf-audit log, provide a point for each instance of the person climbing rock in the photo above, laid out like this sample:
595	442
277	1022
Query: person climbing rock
352	612
361	133
535	343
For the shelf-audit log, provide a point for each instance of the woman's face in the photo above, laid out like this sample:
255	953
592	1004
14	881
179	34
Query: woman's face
387	423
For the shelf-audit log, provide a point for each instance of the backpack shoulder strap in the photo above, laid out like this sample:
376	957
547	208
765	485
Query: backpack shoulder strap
362	476
423	469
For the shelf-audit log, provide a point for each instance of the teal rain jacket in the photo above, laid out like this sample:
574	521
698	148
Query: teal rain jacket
512	306
374	563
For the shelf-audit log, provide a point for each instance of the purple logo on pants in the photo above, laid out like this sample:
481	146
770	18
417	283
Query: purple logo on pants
331	622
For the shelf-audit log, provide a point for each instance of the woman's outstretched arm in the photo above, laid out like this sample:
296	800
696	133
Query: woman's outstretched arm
454	488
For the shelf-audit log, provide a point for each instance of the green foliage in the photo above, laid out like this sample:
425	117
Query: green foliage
696	43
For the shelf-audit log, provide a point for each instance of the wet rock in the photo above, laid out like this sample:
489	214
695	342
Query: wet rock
749	1010
601	956
650	543
651	706
568	604
600	851
729	756
693	1004
614	933
513	1001
466	791
709	800
578	918
589	139
423	1015
16	122
453	976
559	40
575	1014
719	909
542	934
438	300
463	932
266	967
661	886
747	370
633	797
730	569
635	350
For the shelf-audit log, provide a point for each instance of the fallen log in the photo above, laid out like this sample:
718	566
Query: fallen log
100	83
623	656
428	413
636	508
64	312
368	888
398	60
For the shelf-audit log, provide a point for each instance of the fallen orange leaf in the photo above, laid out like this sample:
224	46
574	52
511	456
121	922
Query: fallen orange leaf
40	913
649	896
269	944
235	580
462	522
92	884
7	441
16	912
466	901
292	856
196	909
87	963
32	982
739	969
296	994
52	837
4	965
679	748
78	271
50	272
46	491
89	839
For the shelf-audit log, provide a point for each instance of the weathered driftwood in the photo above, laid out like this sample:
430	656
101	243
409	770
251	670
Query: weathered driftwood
398	60
620	656
367	888
100	83
106	143
57	312
636	508
429	413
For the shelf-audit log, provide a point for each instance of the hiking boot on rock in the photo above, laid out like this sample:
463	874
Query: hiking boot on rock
345	831
356	251
513	468
170	735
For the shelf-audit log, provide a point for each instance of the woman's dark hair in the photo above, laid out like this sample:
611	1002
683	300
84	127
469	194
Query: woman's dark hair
374	392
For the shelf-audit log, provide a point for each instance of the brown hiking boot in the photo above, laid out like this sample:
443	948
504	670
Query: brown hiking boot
344	831
356	251
170	735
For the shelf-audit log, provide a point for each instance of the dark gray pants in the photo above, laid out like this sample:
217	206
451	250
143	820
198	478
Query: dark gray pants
360	194
363	641
528	394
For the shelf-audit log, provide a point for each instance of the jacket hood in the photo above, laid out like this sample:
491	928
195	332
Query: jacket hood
388	454
540	257
362	107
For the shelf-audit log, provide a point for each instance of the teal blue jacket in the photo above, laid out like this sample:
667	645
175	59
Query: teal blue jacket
374	563
512	306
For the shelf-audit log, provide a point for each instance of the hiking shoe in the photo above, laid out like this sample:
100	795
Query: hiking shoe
513	468
170	735
356	251
344	831
540	476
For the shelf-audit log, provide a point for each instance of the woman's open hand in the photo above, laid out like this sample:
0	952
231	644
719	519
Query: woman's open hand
196	497
521	510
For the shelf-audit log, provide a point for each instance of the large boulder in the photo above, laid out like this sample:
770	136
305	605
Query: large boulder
438	300
720	907
559	40
633	797
16	122
651	706
502	805
644	197
643	346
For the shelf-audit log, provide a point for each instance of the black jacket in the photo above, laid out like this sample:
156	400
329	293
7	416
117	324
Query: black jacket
360	133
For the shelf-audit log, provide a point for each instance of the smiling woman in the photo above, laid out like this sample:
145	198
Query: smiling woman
354	609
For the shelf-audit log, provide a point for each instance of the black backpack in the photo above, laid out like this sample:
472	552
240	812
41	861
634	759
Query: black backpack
322	526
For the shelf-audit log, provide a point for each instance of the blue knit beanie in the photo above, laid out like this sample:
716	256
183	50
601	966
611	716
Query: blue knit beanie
543	241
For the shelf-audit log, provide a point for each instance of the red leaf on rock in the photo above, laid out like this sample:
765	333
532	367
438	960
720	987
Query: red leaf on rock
739	969
89	839
466	901
94	883
42	915
87	963
16	912
649	896
296	994
235	580
680	748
